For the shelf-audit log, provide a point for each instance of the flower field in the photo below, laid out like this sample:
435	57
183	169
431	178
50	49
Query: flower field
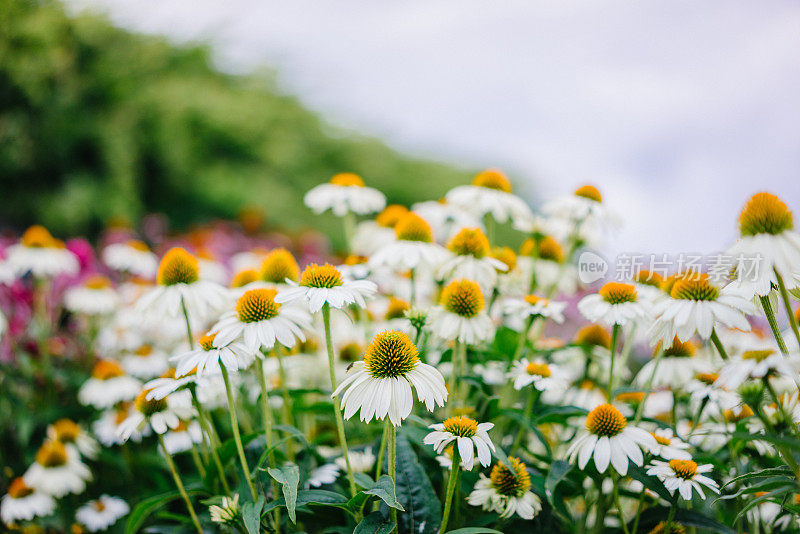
451	369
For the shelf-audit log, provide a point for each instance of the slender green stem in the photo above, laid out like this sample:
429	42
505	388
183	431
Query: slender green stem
337	409
235	427
773	324
198	463
452	484
189	337
384	437
718	344
179	483
286	406
213	441
671	516
413	289
788	305
639	508
523	429
614	339
523	337
617	503
266	410
392	464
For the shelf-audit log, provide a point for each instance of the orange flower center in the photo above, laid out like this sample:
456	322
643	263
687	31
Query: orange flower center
505	255
492	179
694	286
178	266
605	420
397	308
244	277
279	265
470	242
461	426
66	430
37	236
463	297
538	369
106	369
149	407
257	305
18	489
391	215
412	227
618	293
512	482
649	278
683	468
765	213
593	335
349	179
97	282
52	454
321	276
590	192
391	354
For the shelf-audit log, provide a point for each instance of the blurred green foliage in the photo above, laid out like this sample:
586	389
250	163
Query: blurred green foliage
97	123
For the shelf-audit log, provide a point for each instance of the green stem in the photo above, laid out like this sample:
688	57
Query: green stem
349	230
640	408
384	437
392	465
718	344
523	337
266	410
773	324
788	305
452	484
619	505
413	282
179	483
337	409
671	516
639	509
235	427
532	394
286	407
198	463
213	441
614	338
189	337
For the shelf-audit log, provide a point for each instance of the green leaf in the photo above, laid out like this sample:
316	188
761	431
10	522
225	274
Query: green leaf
763	498
689	518
415	492
318	497
289	476
251	513
649	482
375	523
384	490
364	480
764	473
558	471
474	530
146	508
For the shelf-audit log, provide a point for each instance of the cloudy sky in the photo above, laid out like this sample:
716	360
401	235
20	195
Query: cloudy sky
676	109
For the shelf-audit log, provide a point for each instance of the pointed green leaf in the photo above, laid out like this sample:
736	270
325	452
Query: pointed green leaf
289	477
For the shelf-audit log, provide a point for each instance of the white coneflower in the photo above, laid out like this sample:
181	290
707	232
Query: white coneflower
461	314
767	244
518	310
684	476
649	285
507	491
101	513
182	437
695	306
756	364
158	414
471	258
108	385
543	260
40	254
23	503
95	296
206	359
586	394
490	193
469	436
106	427
381	384
323	475
57	470
669	446
674	368
446	219
614	303
360	461
346	193
259	322
543	376
583	209
609	438
321	284
179	286
414	247
71	434
133	257
369	236
145	362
